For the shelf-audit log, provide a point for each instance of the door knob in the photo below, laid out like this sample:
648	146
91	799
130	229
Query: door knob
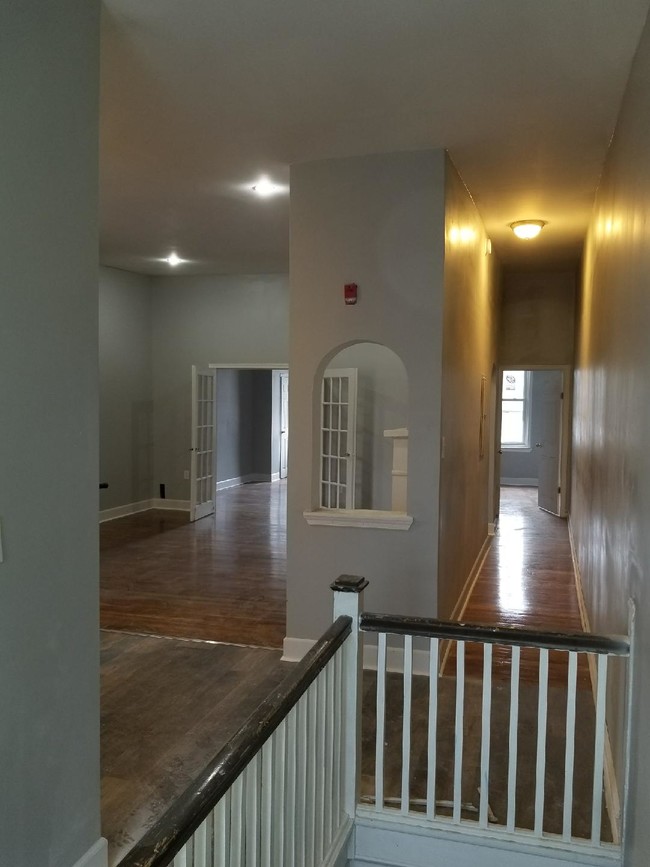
538	445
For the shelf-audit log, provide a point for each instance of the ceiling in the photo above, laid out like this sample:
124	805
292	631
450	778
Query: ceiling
200	98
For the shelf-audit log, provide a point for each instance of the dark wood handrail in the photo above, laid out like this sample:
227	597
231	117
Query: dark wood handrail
164	839
584	642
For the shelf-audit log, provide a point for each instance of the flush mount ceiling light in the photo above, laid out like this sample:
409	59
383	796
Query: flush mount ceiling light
265	188
173	260
527	229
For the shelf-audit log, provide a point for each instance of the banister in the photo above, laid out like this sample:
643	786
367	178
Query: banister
584	642
168	835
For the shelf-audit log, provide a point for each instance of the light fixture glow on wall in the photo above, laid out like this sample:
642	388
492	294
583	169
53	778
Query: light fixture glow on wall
265	188
527	229
173	260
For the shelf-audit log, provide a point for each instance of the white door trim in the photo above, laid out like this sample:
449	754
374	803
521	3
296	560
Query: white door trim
565	442
249	365
200	507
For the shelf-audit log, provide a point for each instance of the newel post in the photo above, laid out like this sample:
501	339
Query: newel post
348	601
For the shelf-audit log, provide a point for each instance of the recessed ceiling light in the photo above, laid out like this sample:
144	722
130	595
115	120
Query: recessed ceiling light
527	229
265	188
173	260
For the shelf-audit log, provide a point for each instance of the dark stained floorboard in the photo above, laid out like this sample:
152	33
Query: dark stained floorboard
222	578
527	580
167	707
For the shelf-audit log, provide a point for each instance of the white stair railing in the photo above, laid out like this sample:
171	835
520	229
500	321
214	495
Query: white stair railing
282	792
462	794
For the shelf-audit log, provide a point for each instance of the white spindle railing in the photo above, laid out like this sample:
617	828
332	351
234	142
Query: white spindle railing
286	790
283	792
471	701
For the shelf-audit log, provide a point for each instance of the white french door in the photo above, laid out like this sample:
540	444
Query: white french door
338	438
202	465
284	423
550	444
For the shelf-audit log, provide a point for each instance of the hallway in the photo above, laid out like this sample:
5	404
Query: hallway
527	580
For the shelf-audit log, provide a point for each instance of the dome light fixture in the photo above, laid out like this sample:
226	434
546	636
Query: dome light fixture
173	259
527	229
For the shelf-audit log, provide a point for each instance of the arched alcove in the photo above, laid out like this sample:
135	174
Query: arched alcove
361	447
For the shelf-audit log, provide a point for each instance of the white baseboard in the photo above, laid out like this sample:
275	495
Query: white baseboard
395	659
96	856
470	581
172	505
399	842
465	593
524	483
612	797
123	511
337	856
293	649
235	482
249	478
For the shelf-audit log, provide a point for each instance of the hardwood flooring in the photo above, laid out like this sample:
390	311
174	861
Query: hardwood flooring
526	580
222	578
167	707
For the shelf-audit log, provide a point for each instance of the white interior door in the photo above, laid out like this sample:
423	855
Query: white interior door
338	438
284	423
202	466
549	446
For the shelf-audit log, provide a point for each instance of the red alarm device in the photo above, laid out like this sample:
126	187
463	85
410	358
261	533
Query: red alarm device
350	293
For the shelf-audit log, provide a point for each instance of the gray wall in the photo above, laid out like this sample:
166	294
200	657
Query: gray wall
377	221
382	404
537	318
518	464
262	406
610	514
234	424
244	423
49	632
199	320
468	354
125	387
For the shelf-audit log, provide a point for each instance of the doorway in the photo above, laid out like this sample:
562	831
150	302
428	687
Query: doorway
247	435
533	430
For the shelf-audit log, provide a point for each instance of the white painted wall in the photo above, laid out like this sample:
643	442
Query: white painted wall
125	388
471	299
377	221
49	655
610	514
202	320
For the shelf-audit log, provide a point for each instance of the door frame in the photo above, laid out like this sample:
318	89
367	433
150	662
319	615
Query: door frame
565	426
283	468
240	365
199	510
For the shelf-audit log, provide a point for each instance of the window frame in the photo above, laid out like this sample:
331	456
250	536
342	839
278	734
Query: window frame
525	444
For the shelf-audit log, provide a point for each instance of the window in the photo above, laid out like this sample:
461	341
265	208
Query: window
515	409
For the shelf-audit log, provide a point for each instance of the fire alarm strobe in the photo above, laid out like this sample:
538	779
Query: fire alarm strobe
350	293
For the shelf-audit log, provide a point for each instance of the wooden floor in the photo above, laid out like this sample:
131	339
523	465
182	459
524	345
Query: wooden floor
222	578
527	580
167	707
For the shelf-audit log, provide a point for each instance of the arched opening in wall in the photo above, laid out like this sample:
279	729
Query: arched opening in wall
362	443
